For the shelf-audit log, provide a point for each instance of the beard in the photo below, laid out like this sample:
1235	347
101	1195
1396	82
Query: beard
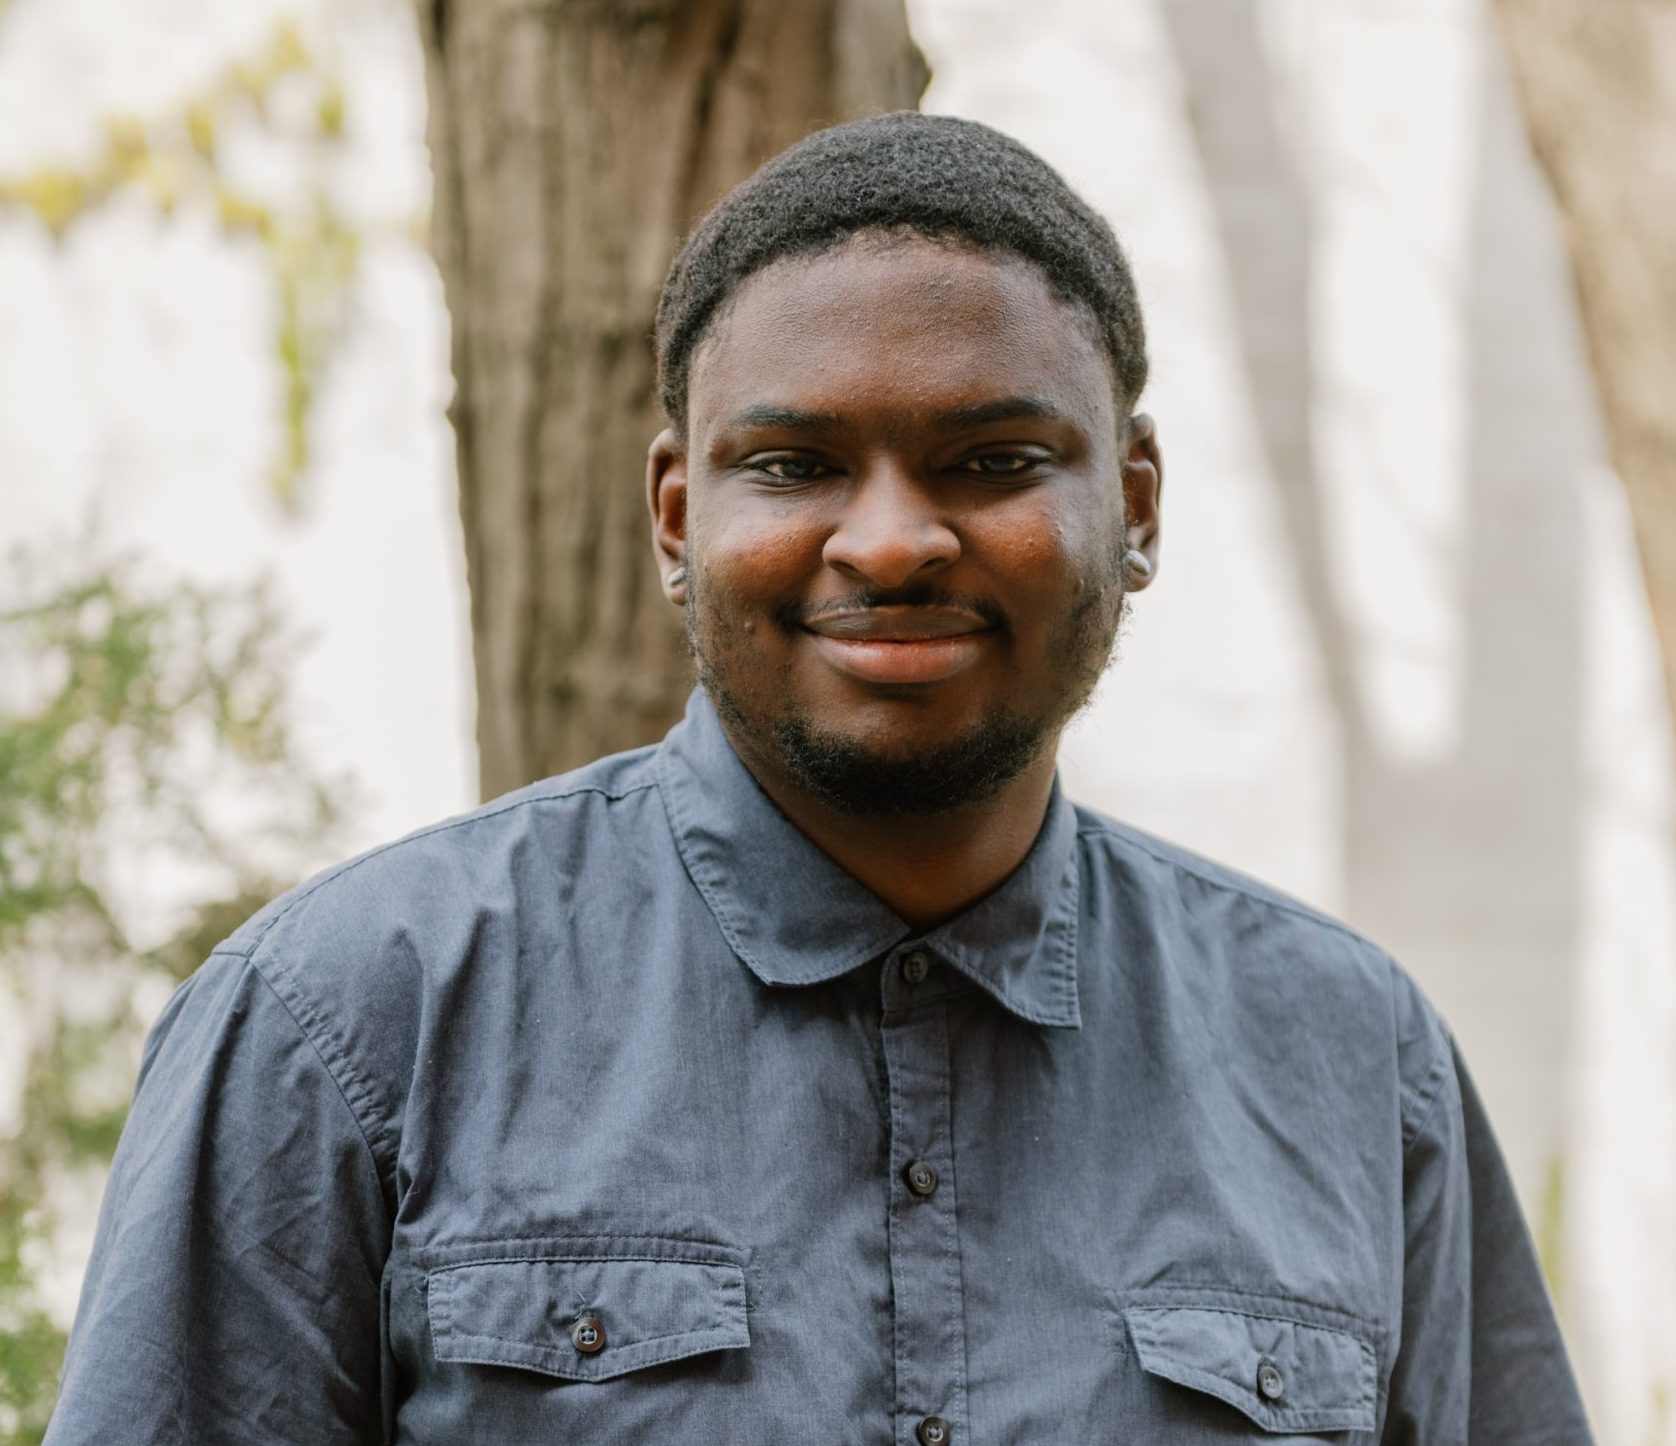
859	779
864	782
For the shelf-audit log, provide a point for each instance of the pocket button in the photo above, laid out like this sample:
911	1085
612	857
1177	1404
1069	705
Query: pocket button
588	1336
1271	1385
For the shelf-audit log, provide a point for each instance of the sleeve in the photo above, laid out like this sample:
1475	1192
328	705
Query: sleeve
1481	1361
234	1289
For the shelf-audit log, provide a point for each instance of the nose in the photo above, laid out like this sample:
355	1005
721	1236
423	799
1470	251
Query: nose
891	532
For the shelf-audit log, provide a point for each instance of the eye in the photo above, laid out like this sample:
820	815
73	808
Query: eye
1006	463
787	467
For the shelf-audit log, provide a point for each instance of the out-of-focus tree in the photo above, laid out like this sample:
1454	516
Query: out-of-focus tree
1597	84
573	143
126	709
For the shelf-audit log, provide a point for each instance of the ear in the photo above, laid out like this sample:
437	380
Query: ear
666	495
1143	487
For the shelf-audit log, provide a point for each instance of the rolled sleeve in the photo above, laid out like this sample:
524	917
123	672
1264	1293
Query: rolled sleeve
233	1293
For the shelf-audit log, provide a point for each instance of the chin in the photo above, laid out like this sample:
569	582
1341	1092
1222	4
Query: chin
864	778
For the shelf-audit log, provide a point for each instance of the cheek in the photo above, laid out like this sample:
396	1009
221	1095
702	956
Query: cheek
1050	554
750	559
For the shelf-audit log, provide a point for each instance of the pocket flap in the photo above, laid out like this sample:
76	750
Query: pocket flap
1286	1375
520	1309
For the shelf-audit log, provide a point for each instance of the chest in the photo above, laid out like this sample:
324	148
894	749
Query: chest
729	1213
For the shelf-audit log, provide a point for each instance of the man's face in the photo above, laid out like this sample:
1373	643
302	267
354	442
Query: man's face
901	510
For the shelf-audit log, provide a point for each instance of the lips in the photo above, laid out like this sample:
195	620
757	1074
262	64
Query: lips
901	644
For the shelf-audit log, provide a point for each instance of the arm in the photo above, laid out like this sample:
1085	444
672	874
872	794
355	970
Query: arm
234	1290
1481	1362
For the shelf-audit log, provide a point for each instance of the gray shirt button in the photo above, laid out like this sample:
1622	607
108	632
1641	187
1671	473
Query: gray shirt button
1270	1383
921	1178
933	1431
588	1335
916	966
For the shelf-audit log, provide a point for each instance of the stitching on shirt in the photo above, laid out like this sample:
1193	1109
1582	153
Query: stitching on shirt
437	828
951	1232
1064	977
1256	892
725	917
1428	1099
1286	1418
1369	1359
468	1241
1193	1292
699	1331
386	1187
585	1260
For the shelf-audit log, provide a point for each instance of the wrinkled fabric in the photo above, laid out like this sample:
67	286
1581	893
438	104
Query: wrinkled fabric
615	1111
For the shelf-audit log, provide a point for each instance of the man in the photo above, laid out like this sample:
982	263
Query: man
823	1074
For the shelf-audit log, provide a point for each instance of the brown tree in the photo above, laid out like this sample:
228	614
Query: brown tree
1597	83
573	144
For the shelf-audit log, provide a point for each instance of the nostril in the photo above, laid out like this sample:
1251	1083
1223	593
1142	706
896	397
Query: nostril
891	555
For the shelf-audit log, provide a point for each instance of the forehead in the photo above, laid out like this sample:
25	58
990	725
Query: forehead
899	326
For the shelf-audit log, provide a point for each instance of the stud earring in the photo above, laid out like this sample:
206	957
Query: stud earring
1135	565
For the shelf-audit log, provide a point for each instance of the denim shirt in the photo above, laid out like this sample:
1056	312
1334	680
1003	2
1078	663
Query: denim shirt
615	1111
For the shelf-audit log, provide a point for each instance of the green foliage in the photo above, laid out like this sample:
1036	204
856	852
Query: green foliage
175	161
131	709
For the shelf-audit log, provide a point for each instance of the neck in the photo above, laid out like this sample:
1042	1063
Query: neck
930	868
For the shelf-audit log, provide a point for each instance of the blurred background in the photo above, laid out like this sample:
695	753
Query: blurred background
324	387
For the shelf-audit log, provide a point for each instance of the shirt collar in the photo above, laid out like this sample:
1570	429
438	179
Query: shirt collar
795	917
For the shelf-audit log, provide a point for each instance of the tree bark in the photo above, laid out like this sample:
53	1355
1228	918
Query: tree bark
573	143
1597	84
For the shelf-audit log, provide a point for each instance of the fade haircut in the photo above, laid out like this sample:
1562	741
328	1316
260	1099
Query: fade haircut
945	179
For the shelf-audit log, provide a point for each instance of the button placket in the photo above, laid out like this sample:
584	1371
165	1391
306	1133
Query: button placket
929	1330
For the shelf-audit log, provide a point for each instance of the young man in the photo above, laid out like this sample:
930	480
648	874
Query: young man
823	1074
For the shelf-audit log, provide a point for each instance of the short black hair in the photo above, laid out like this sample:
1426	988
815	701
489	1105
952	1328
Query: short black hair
939	176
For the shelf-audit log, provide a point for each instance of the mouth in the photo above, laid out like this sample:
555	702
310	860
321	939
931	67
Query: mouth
901	644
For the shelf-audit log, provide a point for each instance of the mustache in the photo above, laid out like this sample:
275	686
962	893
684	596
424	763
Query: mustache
800	615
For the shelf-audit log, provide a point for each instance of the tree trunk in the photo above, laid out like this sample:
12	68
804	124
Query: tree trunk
1597	83
574	142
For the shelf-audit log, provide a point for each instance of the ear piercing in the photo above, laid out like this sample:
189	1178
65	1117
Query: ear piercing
676	577
1135	565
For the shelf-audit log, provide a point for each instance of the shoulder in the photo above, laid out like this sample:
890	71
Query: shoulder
1202	888
458	865
378	955
1241	945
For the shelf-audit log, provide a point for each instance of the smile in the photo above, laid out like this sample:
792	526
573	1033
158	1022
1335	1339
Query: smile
901	644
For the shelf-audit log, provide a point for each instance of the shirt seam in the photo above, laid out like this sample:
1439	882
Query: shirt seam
585	1260
1256	892
1200	1294
386	1187
471	1241
478	816
1427	1101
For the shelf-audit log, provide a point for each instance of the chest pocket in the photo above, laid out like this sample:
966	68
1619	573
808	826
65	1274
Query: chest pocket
588	1309
1286	1376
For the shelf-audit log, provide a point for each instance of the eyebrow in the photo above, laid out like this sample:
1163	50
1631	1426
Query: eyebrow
787	419
1003	409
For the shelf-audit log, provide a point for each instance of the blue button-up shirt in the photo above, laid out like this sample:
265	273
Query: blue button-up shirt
615	1111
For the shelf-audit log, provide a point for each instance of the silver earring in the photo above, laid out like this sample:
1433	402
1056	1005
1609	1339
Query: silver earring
676	577
1134	562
